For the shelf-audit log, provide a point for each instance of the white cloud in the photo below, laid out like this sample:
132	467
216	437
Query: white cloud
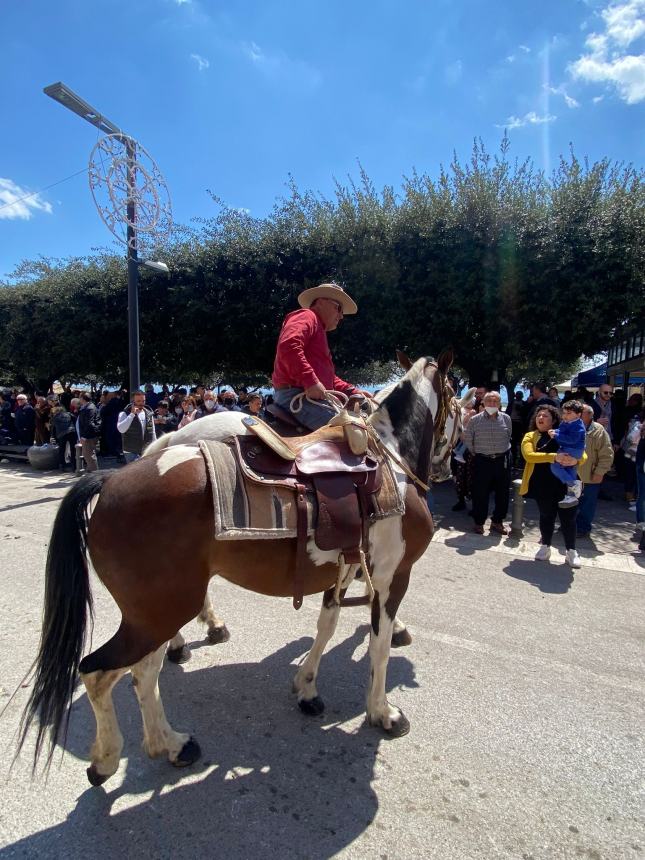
279	66
523	49
202	62
17	202
597	99
530	118
560	91
606	59
183	2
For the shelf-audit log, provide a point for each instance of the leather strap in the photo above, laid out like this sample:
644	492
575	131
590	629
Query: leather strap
301	547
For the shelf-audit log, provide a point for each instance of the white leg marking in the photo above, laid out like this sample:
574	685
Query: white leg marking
304	684
387	548
176	642
208	617
106	749
158	736
398	625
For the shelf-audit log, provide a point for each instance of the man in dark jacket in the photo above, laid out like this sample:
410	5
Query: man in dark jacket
25	420
6	418
63	432
89	430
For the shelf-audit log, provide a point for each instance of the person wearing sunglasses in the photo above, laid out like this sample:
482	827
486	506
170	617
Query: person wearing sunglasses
303	361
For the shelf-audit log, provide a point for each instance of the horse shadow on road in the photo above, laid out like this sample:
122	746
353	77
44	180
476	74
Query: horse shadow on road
271	782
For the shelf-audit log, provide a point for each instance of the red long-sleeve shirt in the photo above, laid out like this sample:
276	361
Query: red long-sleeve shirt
303	358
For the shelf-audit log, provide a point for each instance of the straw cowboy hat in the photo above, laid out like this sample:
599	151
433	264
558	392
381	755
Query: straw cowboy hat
328	291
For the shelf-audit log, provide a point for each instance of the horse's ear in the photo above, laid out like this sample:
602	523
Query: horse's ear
403	360
468	398
444	362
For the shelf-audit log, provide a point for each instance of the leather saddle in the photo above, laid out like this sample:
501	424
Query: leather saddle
343	481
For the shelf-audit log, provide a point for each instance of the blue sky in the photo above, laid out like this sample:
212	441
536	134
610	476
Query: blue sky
234	97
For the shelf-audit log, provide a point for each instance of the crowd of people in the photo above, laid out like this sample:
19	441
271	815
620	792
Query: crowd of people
565	448
103	420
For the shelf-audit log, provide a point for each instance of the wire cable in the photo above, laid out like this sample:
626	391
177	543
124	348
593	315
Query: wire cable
46	188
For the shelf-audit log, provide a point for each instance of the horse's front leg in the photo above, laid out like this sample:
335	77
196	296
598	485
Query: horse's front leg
178	650
304	684
386	601
400	634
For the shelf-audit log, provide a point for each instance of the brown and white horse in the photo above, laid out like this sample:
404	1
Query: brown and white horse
169	498
224	424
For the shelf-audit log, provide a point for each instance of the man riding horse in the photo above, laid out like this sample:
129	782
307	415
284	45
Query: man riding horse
303	363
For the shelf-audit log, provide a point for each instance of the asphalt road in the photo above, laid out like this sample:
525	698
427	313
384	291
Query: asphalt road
524	687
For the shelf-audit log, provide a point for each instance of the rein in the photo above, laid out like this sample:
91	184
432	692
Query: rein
399	462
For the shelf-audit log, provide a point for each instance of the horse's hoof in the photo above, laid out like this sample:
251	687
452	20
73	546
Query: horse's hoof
312	707
218	635
399	728
401	638
95	777
189	754
179	655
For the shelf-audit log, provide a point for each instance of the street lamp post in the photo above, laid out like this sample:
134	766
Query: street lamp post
63	95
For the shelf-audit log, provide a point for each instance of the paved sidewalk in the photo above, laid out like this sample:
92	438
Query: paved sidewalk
613	544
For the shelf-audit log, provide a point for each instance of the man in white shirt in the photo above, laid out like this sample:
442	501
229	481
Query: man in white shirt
136	425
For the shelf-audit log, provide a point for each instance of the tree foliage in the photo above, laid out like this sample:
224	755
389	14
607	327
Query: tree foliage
490	257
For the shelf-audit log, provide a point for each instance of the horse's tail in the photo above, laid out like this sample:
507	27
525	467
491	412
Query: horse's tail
158	445
67	601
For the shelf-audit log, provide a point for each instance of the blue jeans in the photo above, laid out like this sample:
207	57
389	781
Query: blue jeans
640	502
587	507
312	415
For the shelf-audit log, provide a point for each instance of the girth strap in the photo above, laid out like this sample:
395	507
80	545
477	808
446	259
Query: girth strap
301	548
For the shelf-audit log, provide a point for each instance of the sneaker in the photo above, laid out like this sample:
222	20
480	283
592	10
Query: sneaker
569	501
632	508
543	553
572	558
575	489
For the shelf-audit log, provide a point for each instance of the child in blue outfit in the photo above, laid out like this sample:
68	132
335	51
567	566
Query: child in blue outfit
571	436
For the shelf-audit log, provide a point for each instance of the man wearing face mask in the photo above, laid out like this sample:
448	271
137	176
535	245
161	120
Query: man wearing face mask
488	438
210	405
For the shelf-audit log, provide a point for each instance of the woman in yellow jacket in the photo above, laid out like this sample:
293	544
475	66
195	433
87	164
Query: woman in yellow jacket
538	482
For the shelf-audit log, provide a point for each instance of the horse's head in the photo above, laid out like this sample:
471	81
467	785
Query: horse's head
440	467
422	409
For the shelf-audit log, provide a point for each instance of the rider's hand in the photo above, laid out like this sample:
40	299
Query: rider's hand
316	392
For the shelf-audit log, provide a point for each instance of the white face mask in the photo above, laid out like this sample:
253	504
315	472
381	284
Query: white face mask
209	404
178	410
491	409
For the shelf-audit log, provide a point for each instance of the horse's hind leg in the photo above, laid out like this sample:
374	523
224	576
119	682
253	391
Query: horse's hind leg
106	749
158	736
217	629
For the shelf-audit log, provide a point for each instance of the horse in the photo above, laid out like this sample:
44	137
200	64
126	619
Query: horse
169	497
224	424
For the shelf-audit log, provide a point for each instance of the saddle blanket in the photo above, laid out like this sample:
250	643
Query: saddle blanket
246	510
